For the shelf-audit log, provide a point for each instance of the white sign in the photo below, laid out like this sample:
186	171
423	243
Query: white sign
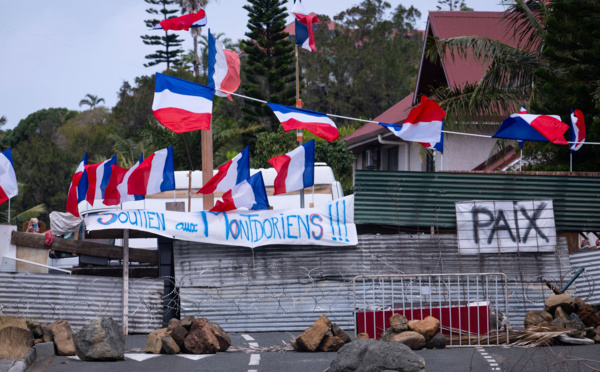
485	226
331	224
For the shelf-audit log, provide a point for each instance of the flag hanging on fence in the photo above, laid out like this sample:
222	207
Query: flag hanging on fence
155	174
250	193
529	127
317	123
305	36
577	129
184	22
98	176
78	187
117	190
223	67
295	170
8	178
230	174
182	106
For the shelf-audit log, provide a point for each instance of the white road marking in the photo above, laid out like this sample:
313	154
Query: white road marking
253	344
194	356
247	337
140	357
254	359
488	358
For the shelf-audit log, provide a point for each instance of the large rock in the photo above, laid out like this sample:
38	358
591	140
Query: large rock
560	313
47	333
101	339
563	300
339	332
221	335
587	314
178	334
169	345
413	340
63	338
201	339
537	318
15	342
362	336
187	321
376	356
427	327
174	322
311	338
297	347
437	342
35	328
331	343
399	323
154	343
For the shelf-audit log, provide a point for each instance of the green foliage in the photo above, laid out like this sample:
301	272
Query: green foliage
43	123
88	132
452	5
269	69
17	218
168	44
365	65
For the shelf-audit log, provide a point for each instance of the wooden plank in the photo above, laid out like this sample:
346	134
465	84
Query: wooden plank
83	247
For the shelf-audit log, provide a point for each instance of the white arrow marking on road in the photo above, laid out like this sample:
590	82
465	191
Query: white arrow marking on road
194	357
140	357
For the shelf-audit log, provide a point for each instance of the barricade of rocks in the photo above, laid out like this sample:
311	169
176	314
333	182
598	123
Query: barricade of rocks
188	335
321	336
415	334
564	312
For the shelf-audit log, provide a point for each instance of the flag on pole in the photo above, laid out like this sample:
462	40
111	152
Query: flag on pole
424	123
250	193
180	105
577	129
230	174
295	170
98	176
8	179
529	127
155	174
78	187
184	22
305	36
439	145
317	123
223	67
117	191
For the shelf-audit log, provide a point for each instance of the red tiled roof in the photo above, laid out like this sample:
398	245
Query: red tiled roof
395	114
453	24
500	160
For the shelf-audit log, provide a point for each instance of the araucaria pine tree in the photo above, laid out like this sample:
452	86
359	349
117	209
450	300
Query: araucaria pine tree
169	51
269	70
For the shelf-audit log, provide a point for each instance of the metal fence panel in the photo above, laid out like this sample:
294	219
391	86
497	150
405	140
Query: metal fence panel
79	299
587	285
472	308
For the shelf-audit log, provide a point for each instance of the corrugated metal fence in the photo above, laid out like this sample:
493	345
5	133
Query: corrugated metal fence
79	299
288	287
427	199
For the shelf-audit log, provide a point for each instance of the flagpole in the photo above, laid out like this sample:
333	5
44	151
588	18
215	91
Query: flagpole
299	137
571	162
521	161
8	210
208	200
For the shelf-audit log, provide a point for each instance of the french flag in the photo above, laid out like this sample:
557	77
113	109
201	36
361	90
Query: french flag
223	68
78	187
529	127
230	174
577	129
317	123
116	191
438	146
8	179
184	22
305	36
250	193
295	170
155	174
180	105
424	123
98	176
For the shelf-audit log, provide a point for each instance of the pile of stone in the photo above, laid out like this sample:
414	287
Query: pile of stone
415	334
188	335
321	336
564	312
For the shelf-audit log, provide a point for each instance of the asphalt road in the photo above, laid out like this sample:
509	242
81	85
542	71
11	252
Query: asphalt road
556	358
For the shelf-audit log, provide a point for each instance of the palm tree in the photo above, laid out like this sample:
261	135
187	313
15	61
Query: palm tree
192	6
91	100
18	219
2	120
509	81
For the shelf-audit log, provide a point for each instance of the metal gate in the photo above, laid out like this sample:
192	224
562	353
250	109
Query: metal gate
472	308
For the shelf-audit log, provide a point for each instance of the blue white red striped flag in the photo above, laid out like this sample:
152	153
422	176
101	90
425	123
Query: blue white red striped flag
295	170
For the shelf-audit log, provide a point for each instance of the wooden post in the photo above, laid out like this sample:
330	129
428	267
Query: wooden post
208	200
299	135
125	280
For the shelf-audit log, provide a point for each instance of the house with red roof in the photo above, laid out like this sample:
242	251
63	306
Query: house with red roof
378	149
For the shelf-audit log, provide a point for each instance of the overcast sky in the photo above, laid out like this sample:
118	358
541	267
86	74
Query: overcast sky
53	53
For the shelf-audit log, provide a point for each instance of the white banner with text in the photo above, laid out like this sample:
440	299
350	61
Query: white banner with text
330	225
